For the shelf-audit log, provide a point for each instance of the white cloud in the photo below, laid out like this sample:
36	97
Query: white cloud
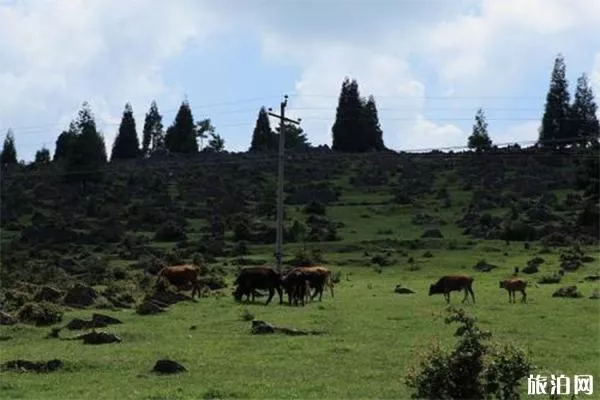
55	54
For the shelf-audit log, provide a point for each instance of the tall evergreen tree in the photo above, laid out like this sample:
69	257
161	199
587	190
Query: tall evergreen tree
126	143
585	127
42	156
479	139
372	128
348	128
9	151
555	121
153	136
88	155
295	138
181	136
263	137
65	143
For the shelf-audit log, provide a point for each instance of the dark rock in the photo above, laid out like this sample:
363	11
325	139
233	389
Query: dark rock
27	366
49	293
483	266
80	296
7	319
149	308
402	290
432	233
568	291
168	367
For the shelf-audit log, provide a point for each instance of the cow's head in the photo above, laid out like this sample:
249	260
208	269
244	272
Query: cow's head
237	294
436	288
501	284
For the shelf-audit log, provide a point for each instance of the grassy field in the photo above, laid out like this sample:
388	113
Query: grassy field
373	334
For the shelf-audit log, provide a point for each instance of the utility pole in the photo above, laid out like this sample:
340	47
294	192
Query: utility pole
282	121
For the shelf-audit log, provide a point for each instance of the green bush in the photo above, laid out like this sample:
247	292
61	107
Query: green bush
473	370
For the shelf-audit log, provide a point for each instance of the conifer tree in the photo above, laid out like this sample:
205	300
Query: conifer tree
554	130
295	138
583	119
372	128
65	143
181	135
88	154
479	139
9	151
126	144
263	137
153	135
42	156
347	130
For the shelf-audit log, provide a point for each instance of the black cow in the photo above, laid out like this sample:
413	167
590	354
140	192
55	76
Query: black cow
252	278
449	283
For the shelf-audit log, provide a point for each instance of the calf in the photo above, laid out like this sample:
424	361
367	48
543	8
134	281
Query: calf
318	277
252	278
181	276
449	283
297	287
512	286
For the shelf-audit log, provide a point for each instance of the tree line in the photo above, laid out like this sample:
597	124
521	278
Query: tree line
356	128
564	122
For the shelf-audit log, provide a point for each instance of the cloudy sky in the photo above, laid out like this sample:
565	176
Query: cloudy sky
429	63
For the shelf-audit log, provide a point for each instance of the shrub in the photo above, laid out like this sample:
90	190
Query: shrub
41	314
170	232
473	370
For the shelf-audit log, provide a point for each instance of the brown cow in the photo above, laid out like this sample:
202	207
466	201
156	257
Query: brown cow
297	287
449	283
181	276
318	277
512	286
252	278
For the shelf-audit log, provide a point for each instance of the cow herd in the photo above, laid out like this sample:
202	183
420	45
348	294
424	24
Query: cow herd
303	284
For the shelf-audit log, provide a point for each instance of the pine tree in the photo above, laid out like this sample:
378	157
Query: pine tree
372	128
479	139
585	127
263	137
295	138
126	144
65	143
181	136
88	154
153	136
9	151
555	121
42	156
348	128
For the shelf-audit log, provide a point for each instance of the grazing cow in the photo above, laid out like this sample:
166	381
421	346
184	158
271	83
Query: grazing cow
449	283
318	277
182	276
297	287
512	286
252	278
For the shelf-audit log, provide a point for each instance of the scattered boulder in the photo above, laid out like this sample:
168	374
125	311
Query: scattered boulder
592	278
7	319
97	338
105	319
402	290
149	307
40	314
80	296
166	366
78	324
432	233
262	327
568	291
483	266
32	366
49	293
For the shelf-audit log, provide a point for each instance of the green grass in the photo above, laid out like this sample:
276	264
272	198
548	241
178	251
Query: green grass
373	334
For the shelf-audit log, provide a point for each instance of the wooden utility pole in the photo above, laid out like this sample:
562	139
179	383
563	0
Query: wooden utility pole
282	121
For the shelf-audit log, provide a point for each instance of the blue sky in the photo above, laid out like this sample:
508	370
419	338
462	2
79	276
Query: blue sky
429	63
